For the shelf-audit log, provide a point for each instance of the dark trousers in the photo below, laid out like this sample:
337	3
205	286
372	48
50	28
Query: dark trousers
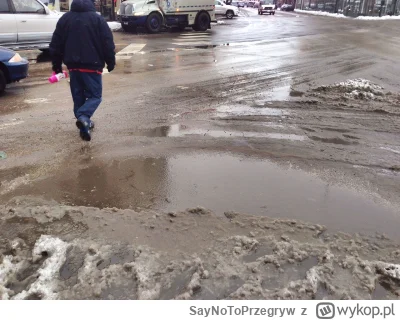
86	90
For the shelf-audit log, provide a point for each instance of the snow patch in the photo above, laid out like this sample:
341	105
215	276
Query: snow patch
379	18
56	249
356	89
322	13
9	186
7	269
394	149
342	16
361	84
38	100
114	26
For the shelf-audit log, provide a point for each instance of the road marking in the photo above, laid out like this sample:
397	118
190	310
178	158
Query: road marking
127	53
195	44
195	34
193	39
131	49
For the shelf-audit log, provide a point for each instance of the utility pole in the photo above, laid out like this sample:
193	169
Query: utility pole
381	8
336	6
394	7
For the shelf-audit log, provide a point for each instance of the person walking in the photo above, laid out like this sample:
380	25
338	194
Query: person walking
84	42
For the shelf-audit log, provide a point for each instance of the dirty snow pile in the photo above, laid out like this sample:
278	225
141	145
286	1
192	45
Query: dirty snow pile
361	89
114	26
62	252
322	13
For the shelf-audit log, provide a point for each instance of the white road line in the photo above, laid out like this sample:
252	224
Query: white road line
193	44
195	34
127	53
131	49
191	40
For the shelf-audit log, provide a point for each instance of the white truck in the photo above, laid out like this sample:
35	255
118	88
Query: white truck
155	14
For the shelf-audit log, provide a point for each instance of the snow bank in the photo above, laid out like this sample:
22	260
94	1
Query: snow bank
379	18
340	15
362	84
356	89
322	13
114	26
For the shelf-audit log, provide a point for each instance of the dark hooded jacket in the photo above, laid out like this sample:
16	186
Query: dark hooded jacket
82	39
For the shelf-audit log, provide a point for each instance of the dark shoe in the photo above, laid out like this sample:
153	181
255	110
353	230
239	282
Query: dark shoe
84	127
91	125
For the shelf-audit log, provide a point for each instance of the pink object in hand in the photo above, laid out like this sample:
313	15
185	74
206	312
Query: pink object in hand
57	77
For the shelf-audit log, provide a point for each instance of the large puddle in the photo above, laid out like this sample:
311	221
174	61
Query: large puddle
220	182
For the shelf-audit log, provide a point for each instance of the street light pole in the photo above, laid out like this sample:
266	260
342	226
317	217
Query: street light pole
394	7
336	6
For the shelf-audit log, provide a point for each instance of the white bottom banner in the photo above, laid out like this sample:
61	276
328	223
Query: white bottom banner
176	310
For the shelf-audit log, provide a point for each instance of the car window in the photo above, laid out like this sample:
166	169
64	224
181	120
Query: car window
28	6
217	3
4	7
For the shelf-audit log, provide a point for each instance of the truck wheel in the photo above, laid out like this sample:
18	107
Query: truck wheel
230	14
2	82
202	22
154	22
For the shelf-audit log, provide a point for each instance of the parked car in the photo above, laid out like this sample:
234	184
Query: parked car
287	7
12	67
240	4
250	4
26	24
266	7
225	10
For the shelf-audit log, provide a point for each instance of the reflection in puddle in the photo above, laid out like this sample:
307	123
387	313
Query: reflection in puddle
250	111
218	182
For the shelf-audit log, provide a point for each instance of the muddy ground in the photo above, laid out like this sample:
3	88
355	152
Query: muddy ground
289	145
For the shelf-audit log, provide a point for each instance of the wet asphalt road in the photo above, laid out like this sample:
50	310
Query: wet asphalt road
220	119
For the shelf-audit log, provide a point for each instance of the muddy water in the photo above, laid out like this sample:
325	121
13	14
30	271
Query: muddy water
220	182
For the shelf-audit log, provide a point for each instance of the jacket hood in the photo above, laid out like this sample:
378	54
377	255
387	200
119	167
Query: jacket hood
82	6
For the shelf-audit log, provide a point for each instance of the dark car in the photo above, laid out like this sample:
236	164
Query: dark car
250	4
287	7
12	67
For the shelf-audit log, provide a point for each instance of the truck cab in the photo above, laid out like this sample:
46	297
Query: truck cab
155	14
266	6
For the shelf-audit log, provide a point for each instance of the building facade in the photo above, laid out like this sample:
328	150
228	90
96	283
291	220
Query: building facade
352	8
